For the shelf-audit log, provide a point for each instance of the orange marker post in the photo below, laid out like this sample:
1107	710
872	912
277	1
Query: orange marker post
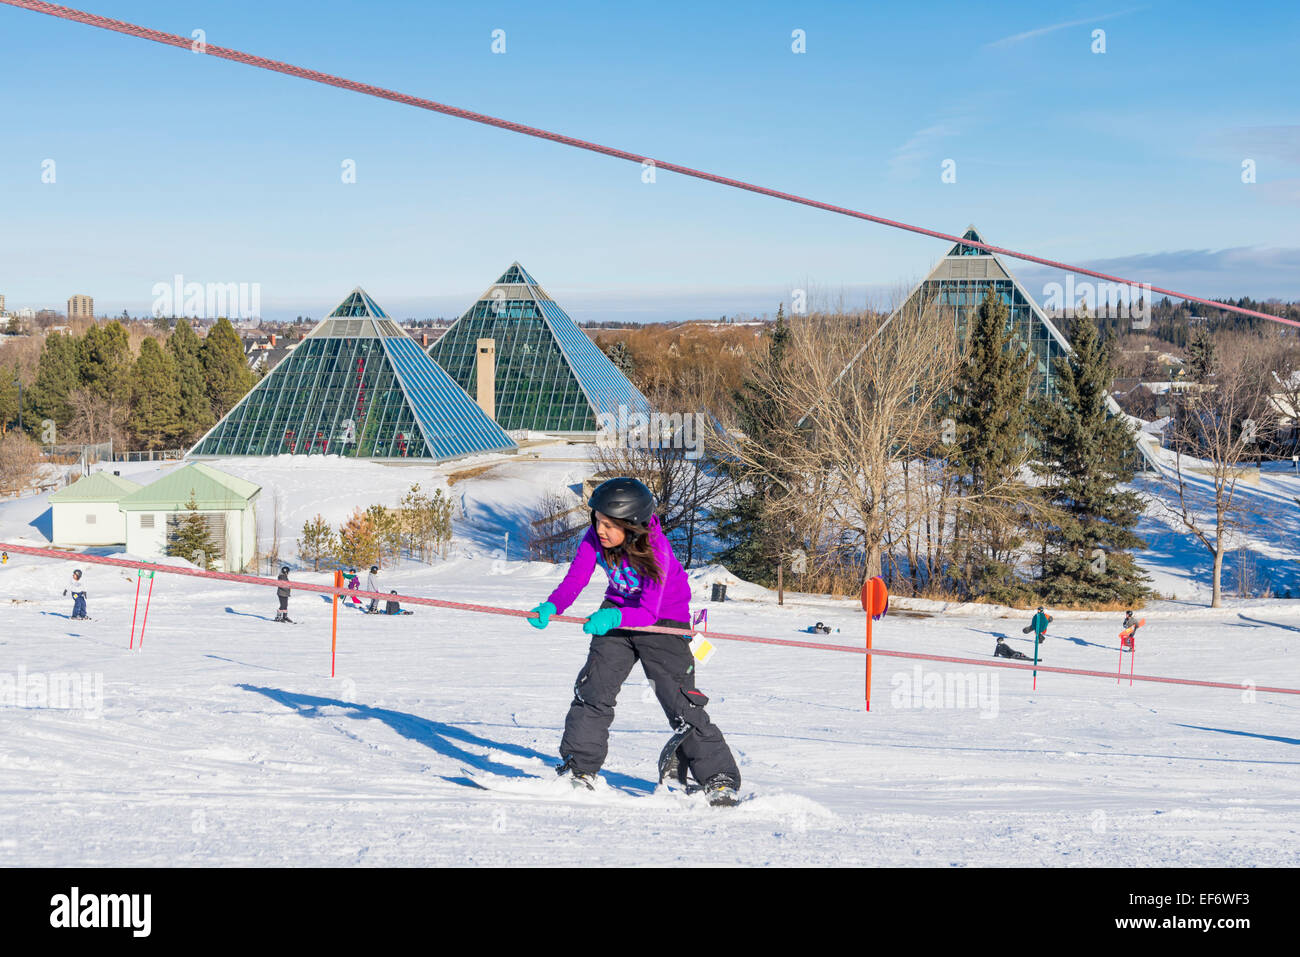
875	602
334	628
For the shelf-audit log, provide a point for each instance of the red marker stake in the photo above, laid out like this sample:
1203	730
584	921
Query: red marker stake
135	609
334	629
145	620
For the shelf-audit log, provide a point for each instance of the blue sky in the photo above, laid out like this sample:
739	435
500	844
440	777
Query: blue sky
168	162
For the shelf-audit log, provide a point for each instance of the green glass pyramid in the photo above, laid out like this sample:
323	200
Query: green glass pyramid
356	386
550	376
956	286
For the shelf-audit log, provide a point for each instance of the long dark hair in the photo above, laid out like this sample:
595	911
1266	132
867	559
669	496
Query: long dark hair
636	548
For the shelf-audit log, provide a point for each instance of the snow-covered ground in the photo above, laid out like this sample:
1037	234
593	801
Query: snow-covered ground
225	741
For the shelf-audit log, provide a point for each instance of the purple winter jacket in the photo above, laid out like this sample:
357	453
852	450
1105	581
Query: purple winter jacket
642	602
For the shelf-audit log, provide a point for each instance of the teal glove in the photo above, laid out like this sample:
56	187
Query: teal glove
603	620
544	612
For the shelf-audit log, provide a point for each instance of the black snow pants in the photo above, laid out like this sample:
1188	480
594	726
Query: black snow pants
670	667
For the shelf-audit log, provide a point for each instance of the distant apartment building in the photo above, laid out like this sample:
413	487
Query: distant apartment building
2	306
81	307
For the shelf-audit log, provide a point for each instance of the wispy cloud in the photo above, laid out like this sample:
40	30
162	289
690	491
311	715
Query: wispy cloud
919	147
1040	31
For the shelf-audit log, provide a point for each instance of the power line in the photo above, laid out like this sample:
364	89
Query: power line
185	43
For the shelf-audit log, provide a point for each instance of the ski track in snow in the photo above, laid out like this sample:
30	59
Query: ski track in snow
224	741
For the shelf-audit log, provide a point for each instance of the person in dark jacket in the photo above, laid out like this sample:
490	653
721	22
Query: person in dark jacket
1003	650
282	593
647	586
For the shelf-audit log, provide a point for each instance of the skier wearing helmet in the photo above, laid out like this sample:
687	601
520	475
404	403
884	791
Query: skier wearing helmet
282	593
647	586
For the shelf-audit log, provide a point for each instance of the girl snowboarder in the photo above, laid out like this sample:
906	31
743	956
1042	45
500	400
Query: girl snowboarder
647	586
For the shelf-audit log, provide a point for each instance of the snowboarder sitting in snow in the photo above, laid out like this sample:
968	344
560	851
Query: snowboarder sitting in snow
1039	625
647	586
78	589
1003	650
282	593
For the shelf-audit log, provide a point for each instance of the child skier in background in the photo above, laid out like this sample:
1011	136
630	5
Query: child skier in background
282	593
647	586
354	584
372	584
1128	631
78	589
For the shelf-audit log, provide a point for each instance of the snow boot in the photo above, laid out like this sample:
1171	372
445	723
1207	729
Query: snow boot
720	790
579	779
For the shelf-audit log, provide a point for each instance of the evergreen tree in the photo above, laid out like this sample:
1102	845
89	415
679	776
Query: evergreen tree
1200	355
317	543
190	538
155	397
104	362
56	377
992	422
1085	454
195	411
753	544
622	359
225	370
9	410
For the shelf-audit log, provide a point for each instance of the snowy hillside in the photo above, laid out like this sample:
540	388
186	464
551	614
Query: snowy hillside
224	741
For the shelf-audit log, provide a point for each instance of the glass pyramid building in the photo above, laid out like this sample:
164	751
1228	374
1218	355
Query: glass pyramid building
956	286
356	386
550	376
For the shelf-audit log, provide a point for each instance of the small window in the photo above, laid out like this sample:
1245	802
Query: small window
90	518
146	520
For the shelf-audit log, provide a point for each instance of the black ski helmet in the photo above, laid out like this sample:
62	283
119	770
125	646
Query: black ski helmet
624	498
374	569
284	569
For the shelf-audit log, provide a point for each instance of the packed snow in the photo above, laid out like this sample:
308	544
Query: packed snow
223	740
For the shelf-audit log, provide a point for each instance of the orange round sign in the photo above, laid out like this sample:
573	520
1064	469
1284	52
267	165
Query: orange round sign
875	598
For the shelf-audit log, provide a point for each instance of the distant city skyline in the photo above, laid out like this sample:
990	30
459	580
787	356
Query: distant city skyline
134	162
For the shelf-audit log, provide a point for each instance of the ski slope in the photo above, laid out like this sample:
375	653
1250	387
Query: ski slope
225	742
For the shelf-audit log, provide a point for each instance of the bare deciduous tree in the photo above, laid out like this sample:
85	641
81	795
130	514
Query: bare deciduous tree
1215	432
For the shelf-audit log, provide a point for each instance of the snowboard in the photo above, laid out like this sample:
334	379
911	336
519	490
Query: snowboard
1130	632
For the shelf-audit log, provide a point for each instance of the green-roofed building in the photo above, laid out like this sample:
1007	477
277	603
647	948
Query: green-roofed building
227	504
530	366
86	512
356	386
